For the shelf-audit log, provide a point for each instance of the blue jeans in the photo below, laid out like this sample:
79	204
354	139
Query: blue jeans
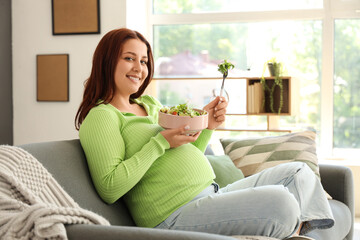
271	203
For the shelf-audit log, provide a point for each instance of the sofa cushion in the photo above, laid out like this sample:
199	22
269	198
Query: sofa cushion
224	169
96	232
66	161
255	155
341	228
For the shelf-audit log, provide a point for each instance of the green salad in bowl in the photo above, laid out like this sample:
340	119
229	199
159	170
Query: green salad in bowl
181	115
182	110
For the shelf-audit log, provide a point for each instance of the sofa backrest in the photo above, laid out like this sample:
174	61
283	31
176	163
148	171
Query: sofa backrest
66	161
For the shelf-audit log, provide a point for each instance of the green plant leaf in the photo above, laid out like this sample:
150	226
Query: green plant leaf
224	67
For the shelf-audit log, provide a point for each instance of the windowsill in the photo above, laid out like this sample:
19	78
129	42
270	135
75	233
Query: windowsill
341	156
341	161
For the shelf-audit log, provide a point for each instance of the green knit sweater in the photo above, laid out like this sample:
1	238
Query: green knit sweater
127	156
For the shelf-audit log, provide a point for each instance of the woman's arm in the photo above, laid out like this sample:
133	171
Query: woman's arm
203	140
112	174
216	110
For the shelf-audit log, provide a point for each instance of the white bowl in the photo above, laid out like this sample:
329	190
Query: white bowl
196	123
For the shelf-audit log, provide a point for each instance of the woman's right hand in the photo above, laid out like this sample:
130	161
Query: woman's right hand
176	136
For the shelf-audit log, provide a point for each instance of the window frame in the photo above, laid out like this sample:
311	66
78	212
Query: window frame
332	10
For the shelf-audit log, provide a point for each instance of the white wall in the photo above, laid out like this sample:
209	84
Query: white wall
32	34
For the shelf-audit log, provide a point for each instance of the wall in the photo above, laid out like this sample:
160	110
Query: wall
6	116
32	34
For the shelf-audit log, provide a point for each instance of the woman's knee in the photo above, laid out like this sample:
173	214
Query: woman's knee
303	173
295	166
285	211
295	169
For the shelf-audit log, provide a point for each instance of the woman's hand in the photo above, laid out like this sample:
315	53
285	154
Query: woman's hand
176	136
216	110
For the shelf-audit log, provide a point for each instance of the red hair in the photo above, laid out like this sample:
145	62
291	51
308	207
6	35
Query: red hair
101	83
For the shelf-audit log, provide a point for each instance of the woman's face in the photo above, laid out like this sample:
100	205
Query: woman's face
131	69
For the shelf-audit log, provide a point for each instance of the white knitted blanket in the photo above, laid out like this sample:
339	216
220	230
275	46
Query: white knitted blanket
32	204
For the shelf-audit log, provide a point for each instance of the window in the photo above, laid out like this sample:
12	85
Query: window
203	6
347	84
312	38
194	51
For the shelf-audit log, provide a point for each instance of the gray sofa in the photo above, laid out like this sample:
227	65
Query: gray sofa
65	160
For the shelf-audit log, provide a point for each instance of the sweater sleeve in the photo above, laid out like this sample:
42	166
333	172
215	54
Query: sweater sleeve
103	144
203	140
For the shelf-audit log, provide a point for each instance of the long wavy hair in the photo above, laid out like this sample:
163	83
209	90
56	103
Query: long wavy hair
101	83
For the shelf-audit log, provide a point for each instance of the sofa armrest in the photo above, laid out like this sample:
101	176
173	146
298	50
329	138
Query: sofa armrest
338	182
95	232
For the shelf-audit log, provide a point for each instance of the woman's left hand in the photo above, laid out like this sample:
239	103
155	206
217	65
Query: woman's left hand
216	111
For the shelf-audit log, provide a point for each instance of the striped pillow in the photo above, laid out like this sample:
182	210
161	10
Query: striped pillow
255	155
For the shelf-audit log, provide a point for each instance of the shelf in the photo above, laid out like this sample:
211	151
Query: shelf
254	101
255	96
253	130
271	126
258	114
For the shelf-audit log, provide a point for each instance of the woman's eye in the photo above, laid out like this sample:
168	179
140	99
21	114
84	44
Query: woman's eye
144	62
129	58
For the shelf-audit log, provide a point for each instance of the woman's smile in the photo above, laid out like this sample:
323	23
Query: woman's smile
134	78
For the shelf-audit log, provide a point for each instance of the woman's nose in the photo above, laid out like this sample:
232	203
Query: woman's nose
137	66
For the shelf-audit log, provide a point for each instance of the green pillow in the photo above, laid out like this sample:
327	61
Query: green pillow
254	155
224	169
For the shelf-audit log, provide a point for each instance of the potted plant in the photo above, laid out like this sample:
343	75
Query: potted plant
276	71
224	68
274	67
